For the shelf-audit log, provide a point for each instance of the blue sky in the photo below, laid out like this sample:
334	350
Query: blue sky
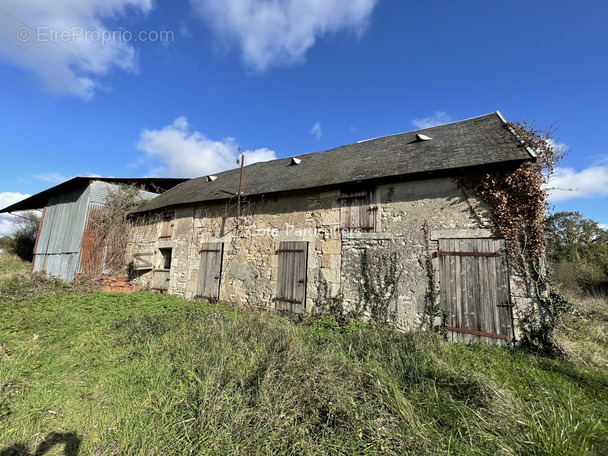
83	93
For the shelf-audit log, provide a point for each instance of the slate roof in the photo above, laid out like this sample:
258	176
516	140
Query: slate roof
473	142
39	200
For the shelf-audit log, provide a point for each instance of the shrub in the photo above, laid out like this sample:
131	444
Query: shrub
24	235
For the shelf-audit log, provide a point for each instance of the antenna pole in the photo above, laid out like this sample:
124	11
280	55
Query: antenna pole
238	199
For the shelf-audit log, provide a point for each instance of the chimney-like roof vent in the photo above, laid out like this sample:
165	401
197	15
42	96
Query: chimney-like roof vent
211	178
295	161
420	137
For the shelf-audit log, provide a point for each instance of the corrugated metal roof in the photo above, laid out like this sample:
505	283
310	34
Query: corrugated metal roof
154	185
479	141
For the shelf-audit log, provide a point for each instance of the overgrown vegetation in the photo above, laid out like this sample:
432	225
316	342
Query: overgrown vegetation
583	333
378	289
328	304
23	239
578	251
11	266
110	226
154	374
518	201
432	306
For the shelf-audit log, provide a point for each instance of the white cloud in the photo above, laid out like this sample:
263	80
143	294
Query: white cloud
6	220
279	33
51	177
57	178
567	183
438	118
181	153
72	63
603	226
561	147
316	130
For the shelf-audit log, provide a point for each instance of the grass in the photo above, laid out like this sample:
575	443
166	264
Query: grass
584	332
105	374
11	265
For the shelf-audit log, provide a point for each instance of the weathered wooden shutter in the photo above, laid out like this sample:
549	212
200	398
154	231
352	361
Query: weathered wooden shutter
166	227
474	289
357	210
291	280
143	261
210	271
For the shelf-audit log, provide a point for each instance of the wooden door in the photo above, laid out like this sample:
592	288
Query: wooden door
291	280
474	284
210	271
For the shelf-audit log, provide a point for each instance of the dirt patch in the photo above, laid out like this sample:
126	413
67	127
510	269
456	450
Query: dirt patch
118	284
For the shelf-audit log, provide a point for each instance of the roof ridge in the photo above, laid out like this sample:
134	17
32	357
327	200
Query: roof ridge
427	128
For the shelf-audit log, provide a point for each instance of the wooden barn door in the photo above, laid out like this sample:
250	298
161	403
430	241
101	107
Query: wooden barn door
210	271
291	280
474	284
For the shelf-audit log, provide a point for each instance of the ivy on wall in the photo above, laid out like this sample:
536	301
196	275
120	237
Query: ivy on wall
517	197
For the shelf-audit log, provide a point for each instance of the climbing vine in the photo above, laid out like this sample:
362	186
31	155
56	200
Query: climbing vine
432	306
328	304
379	286
517	197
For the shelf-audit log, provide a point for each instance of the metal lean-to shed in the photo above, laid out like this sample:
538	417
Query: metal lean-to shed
64	245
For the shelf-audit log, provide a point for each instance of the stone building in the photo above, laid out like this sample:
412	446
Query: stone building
380	226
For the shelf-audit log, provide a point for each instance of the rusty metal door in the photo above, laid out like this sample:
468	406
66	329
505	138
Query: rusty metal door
291	280
474	284
210	271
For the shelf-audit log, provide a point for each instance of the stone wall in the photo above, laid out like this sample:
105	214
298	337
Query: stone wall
250	261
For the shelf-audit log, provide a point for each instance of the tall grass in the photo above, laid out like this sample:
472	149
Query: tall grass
11	265
151	374
584	332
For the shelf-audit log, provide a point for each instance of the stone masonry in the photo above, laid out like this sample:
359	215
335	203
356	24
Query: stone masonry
250	261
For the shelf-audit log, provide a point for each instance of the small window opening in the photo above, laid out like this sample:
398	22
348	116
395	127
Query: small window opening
165	258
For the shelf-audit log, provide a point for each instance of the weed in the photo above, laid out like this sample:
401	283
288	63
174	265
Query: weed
141	373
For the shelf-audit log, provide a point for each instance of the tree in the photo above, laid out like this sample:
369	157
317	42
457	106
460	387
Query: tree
578	249
24	235
571	237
